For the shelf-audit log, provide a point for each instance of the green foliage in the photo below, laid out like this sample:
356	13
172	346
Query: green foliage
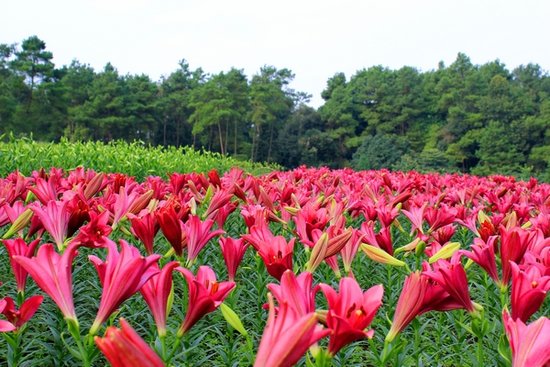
379	151
448	116
135	159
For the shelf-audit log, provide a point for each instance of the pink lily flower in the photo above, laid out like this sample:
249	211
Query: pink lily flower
53	274
529	288
156	293
233	251
145	227
45	190
416	216
530	344
483	254
125	348
297	291
20	317
350	312
287	337
55	219
452	277
205	295
18	247
121	275
349	251
419	295
198	234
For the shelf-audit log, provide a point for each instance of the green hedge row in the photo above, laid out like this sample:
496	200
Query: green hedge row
134	159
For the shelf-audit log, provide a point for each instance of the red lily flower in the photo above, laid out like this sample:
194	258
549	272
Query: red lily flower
205	295
309	218
79	212
95	233
275	251
18	247
451	276
233	252
53	274
156	292
530	344
198	234
253	214
219	200
529	287
172	227
121	275
350	312
286	337
125	348
513	244
382	239
220	215
20	317
145	227
419	295
55	219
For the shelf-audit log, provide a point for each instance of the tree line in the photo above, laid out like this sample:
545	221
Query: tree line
479	119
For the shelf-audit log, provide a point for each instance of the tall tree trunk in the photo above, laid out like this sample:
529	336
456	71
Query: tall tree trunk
270	142
226	137
177	132
164	132
221	138
235	141
254	140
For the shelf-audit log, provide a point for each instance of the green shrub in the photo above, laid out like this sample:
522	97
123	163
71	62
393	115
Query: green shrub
134	159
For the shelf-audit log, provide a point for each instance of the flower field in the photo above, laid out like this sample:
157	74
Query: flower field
312	267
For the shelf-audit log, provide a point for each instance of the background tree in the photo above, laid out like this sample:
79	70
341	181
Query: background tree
480	119
271	102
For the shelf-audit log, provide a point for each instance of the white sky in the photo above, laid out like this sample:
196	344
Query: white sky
315	39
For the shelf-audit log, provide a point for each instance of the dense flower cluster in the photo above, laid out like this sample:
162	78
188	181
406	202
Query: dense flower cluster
49	217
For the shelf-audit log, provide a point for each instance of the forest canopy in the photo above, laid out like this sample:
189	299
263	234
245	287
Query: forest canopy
480	119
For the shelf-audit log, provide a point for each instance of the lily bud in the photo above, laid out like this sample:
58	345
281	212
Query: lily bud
381	256
318	253
20	223
446	252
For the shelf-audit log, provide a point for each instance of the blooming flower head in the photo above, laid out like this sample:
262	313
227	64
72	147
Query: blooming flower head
20	317
233	251
122	274
287	336
156	292
350	312
18	247
205	295
125	348
52	272
529	288
530	343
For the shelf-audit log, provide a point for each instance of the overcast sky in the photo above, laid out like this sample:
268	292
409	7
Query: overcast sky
315	39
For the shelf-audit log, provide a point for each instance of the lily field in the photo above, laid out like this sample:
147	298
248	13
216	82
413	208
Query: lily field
142	266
